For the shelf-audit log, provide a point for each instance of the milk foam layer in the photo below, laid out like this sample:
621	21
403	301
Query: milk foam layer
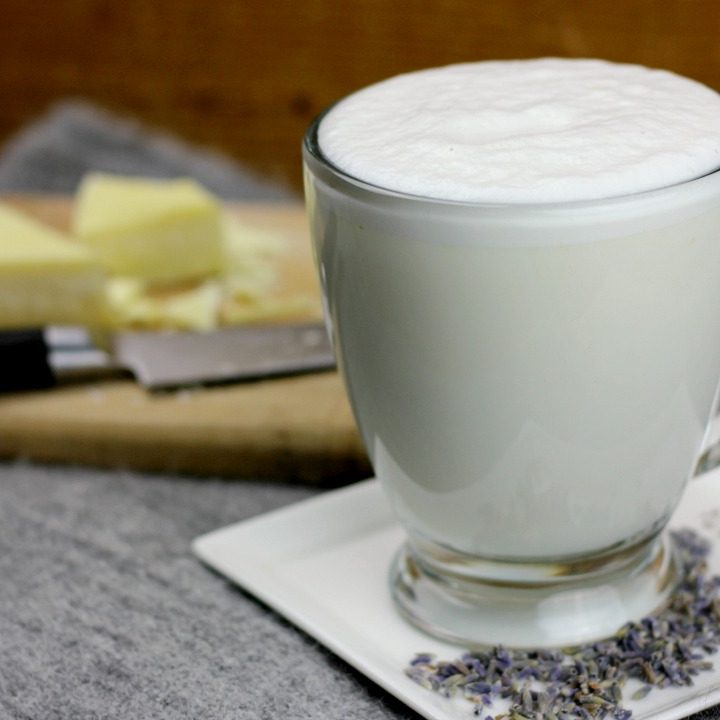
526	131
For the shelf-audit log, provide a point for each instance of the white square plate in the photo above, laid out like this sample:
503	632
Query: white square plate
323	564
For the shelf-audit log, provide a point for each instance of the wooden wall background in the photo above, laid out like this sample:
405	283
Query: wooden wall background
246	76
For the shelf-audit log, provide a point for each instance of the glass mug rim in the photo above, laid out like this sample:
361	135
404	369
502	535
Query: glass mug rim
312	150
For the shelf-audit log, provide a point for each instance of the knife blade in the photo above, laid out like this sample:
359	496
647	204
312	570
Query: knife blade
165	360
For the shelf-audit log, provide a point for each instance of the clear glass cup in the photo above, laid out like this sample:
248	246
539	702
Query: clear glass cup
533	384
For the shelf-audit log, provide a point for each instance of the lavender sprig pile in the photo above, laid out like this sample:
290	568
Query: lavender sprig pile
664	650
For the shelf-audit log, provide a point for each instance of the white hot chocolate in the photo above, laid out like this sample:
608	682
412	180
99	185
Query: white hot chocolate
524	291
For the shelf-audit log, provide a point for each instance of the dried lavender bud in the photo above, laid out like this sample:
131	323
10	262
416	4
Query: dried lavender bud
663	650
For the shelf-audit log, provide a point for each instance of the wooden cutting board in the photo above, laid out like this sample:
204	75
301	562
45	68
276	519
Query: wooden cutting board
290	429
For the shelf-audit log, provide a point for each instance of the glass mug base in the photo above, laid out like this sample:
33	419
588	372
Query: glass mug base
562	605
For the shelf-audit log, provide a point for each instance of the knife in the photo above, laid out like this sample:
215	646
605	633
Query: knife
166	360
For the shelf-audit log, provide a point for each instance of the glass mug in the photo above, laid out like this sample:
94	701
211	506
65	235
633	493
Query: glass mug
533	384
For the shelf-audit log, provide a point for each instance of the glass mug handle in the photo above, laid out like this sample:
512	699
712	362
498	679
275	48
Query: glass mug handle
709	455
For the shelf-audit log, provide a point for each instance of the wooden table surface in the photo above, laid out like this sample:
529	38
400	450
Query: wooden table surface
297	428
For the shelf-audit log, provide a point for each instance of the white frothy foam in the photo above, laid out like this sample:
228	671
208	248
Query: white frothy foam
526	131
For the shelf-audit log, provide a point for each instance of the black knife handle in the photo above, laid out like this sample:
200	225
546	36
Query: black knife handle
24	361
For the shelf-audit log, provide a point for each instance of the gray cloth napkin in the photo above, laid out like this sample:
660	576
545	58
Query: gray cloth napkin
105	613
54	153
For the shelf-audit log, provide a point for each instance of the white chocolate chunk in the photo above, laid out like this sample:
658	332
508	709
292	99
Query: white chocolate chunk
157	230
45	278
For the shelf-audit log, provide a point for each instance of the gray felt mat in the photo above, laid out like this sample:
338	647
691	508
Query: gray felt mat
104	611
